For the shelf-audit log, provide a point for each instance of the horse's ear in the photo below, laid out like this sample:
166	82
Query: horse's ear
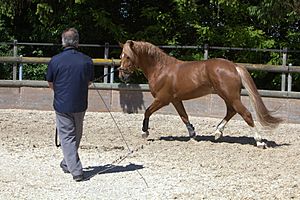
121	44
130	42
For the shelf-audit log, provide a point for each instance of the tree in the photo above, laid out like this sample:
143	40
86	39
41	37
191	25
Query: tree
234	23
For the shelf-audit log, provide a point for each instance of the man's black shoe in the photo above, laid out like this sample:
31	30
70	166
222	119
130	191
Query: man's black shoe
65	170
78	178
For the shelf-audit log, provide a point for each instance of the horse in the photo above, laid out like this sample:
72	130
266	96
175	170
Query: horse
172	81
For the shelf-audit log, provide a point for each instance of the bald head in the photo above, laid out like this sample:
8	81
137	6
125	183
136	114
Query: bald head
70	38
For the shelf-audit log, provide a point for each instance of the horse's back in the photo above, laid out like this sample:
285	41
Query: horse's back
209	65
203	71
190	79
220	63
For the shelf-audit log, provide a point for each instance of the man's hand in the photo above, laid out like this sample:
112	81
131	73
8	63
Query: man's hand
50	84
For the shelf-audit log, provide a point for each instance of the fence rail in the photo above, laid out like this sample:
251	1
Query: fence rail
116	62
109	64
45	60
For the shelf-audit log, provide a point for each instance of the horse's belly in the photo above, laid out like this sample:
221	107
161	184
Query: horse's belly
185	95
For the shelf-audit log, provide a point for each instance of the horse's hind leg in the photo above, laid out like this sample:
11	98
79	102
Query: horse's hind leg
184	117
246	115
230	113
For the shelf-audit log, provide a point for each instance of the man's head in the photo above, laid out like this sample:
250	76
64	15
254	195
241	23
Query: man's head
70	38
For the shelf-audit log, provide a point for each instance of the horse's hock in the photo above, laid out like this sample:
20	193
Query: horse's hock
133	99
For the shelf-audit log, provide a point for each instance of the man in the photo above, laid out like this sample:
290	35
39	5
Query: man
69	74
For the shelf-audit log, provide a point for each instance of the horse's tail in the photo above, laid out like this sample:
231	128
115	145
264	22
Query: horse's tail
263	114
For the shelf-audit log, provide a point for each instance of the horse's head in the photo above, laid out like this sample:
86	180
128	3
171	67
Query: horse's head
127	65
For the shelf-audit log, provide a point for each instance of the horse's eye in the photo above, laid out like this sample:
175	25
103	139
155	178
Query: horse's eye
123	55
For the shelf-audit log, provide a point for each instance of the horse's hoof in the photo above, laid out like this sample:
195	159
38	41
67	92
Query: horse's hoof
193	137
145	134
261	145
218	134
192	134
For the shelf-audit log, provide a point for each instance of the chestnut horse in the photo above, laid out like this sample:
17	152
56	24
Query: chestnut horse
172	81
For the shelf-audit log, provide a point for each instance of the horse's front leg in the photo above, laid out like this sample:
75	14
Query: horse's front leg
145	128
184	117
156	105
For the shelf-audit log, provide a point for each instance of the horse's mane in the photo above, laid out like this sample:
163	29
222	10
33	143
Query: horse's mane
141	47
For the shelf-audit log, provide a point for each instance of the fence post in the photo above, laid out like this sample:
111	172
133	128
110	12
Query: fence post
20	70
289	80
106	51
205	51
15	51
283	75
112	69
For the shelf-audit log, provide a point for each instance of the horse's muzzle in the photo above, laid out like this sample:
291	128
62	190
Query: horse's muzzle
125	78
124	74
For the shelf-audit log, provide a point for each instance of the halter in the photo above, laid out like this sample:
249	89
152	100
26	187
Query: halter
127	71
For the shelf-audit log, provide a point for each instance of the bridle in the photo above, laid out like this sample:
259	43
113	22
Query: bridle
125	71
128	70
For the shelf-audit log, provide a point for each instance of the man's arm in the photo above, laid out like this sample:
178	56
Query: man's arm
91	72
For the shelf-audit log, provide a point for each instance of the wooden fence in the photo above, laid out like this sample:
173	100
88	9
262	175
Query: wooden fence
110	64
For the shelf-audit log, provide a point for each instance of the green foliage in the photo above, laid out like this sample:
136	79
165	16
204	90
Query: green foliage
44	11
34	72
7	8
234	23
5	69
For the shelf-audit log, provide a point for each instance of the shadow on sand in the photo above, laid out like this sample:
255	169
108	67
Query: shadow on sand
90	172
225	139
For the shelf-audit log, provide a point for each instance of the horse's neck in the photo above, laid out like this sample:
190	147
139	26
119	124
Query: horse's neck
153	68
151	71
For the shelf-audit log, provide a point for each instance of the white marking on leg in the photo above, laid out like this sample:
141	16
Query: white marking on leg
258	139
220	128
257	136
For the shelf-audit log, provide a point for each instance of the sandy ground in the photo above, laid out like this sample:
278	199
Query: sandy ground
167	165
